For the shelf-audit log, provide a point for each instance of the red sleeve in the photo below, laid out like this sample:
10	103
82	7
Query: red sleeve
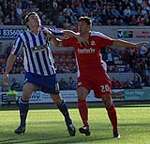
102	40
106	41
70	42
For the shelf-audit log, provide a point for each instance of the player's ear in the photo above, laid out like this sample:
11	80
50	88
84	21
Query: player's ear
26	24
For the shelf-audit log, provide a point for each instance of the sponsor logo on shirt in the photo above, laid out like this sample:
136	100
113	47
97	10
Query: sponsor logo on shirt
86	50
39	48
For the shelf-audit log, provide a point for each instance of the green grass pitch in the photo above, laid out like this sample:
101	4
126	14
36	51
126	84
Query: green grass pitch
47	127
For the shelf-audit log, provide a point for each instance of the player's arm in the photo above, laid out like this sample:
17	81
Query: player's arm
10	62
66	34
123	43
11	59
65	39
9	65
70	33
68	37
56	42
49	35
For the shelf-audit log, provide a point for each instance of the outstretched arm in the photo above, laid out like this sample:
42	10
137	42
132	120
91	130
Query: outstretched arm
49	35
70	33
57	42
52	38
123	43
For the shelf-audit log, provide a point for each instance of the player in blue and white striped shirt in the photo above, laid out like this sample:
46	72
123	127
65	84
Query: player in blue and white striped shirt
39	68
37	53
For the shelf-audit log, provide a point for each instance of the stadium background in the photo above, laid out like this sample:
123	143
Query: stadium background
128	69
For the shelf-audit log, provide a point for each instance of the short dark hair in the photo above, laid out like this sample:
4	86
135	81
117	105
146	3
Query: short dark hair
86	20
26	18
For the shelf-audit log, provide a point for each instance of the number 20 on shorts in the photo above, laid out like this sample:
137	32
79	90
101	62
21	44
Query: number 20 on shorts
104	88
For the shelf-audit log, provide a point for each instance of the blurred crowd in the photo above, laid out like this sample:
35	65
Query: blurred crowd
65	62
65	13
127	60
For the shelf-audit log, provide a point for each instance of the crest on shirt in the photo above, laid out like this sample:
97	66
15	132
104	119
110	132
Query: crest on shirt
93	43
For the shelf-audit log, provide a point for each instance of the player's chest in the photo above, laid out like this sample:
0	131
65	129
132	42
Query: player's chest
36	46
35	42
91	49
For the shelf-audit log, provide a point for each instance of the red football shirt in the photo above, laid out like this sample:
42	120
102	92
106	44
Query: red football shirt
89	58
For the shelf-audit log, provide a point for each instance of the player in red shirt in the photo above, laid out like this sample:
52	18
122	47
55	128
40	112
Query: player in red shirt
91	74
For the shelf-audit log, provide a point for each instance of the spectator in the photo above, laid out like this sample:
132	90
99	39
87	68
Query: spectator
63	84
15	85
124	12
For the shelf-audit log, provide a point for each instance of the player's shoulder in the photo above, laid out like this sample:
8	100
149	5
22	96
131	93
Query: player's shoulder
95	33
24	32
20	35
98	34
23	35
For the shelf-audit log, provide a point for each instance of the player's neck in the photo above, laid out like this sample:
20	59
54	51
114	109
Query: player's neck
85	35
35	30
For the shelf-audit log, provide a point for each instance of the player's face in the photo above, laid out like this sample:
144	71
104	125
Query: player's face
83	27
34	22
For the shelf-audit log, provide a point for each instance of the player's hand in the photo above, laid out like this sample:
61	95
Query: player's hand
5	79
47	33
144	43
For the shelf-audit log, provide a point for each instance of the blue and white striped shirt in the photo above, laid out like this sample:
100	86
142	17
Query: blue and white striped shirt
38	58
